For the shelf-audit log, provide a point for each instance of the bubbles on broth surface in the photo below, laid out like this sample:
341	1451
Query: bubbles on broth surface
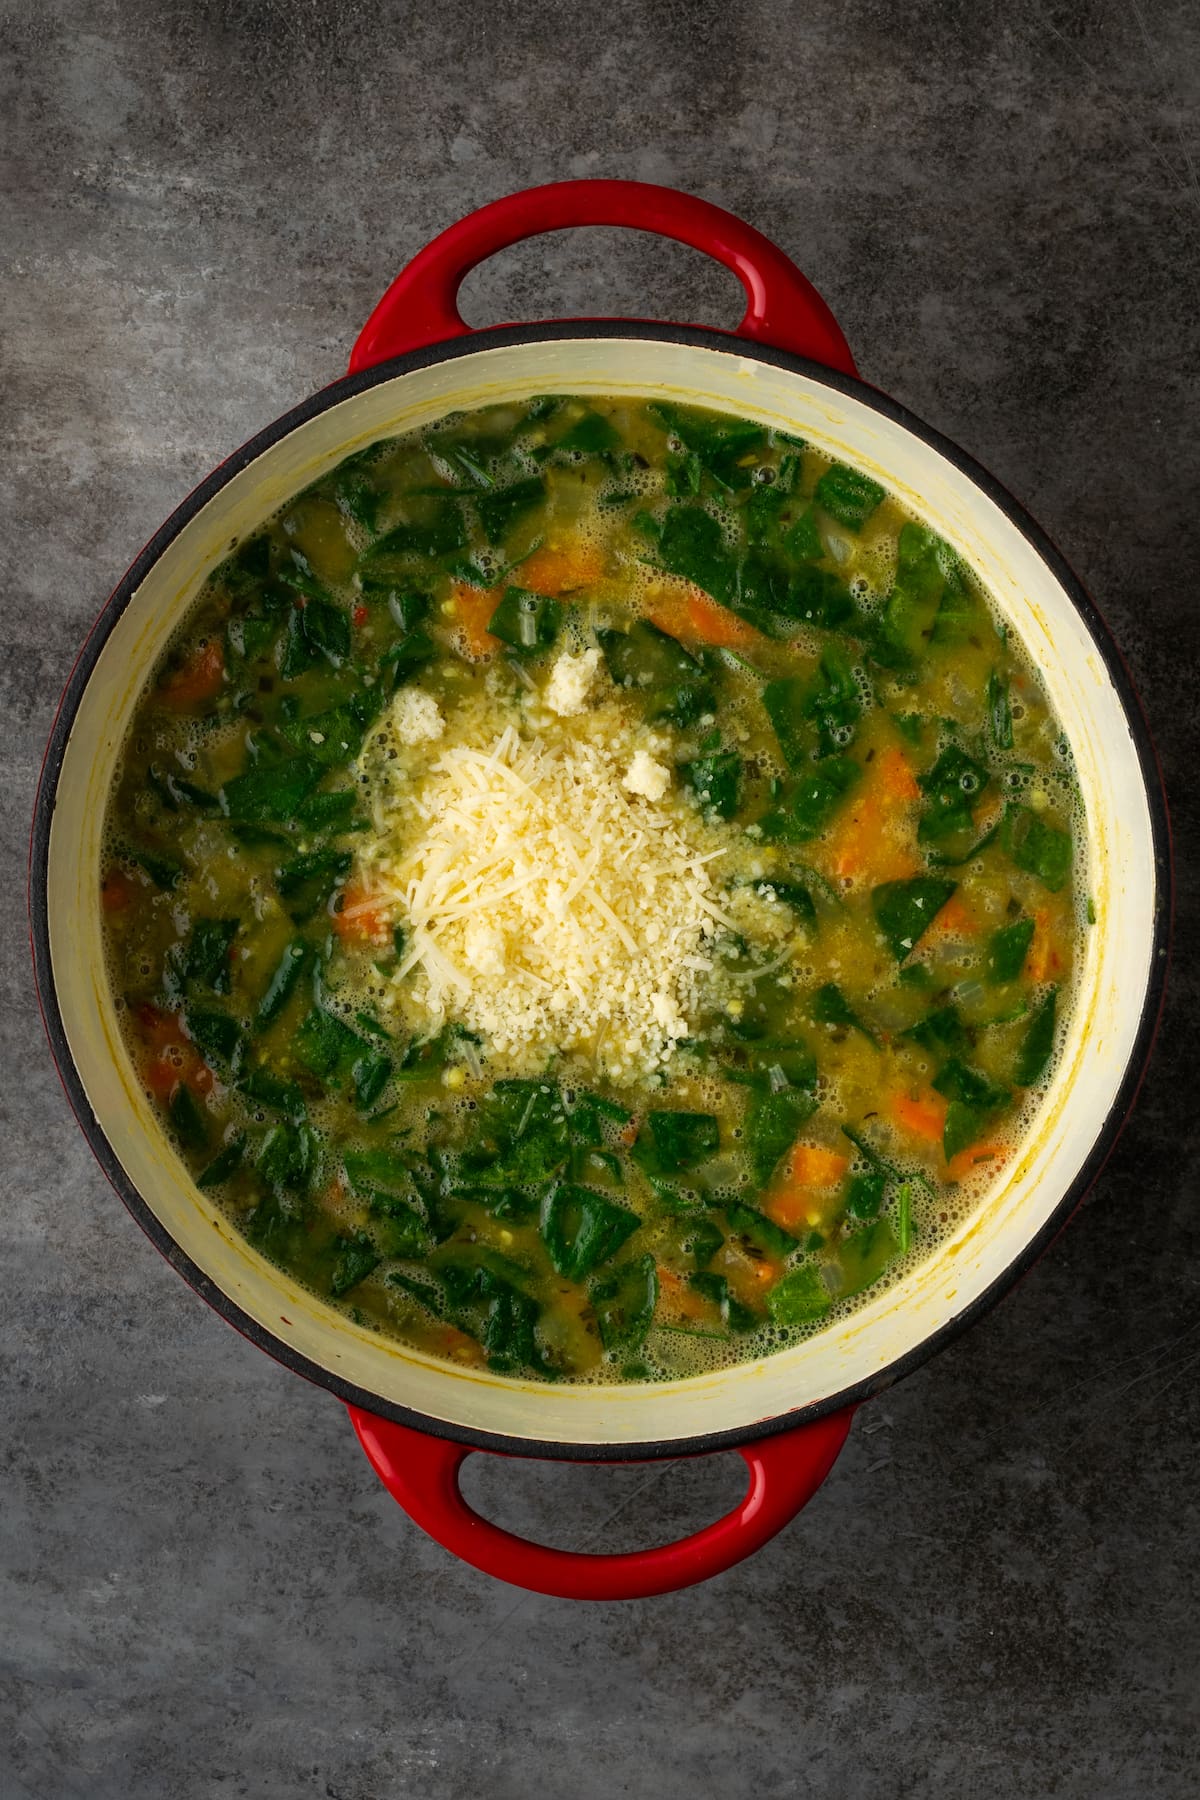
676	1355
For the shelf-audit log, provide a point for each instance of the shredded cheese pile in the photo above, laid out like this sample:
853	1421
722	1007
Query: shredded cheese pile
548	902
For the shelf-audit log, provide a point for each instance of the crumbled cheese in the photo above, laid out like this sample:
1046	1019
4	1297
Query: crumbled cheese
483	948
416	717
542	906
645	776
571	681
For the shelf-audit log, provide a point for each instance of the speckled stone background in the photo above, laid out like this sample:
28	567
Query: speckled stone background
203	1592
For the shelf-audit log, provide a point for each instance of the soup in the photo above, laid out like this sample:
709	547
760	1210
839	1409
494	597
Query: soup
592	889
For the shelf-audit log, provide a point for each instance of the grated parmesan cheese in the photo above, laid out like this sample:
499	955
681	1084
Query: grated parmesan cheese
542	905
417	717
645	776
571	681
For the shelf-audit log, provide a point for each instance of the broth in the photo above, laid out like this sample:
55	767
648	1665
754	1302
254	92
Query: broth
592	889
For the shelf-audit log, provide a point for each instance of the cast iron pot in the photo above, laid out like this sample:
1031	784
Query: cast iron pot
789	366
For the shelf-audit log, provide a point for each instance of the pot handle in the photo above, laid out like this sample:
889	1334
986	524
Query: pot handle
782	306
422	1472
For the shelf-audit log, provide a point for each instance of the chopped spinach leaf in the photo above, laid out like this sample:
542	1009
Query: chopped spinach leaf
819	597
904	910
224	1164
175	791
327	1047
907	622
1042	850
792	894
864	1195
438	529
288	1158
624	1303
865	1255
219	1038
814	717
402	661
269	793
525	621
800	1298
771	1127
189	1120
803	541
679	1140
582	1229
266	1089
332	811
715	1287
755	1229
500	510
941	1032
1007	949
814	797
206	958
357	1258
999	712
716	782
590	436
316	628
164	870
1037	1047
951	788
283	982
848	495
831	1007
306	882
675	684
958	1081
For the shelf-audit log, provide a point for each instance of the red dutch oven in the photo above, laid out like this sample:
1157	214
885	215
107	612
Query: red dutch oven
787	1415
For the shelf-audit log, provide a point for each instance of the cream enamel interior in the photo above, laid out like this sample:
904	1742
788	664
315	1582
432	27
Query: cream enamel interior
1103	1030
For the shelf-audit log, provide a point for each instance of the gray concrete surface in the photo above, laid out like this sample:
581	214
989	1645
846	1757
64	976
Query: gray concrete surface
203	1593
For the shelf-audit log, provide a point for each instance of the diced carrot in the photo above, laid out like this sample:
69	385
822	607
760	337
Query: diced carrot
895	775
749	1277
361	919
173	1057
116	891
872	840
679	1299
795	1209
812	1165
361	615
921	1115
560	569
1044	959
460	1346
159	1029
668	609
687	612
473	607
953	921
197	679
960	1166
199	1076
801	1196
714	624
628	1134
162	1076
